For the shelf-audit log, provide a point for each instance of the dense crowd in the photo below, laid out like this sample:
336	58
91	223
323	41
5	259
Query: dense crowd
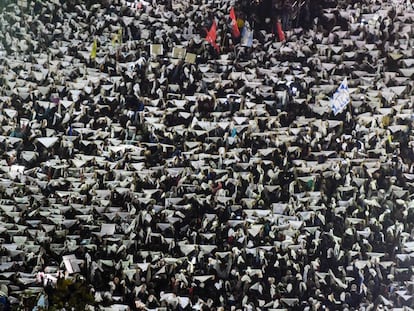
221	182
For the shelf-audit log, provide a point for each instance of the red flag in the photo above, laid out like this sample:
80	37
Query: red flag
280	33
235	30
212	36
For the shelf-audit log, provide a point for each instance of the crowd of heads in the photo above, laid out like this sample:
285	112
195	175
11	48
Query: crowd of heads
223	182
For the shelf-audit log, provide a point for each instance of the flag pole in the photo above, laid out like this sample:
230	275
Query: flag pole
223	33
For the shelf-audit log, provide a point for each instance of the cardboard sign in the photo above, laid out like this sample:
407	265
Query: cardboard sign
191	58
156	49
178	53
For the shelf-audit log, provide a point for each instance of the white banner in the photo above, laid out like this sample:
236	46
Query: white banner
341	98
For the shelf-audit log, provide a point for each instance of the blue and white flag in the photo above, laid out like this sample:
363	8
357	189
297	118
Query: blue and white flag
341	98
246	37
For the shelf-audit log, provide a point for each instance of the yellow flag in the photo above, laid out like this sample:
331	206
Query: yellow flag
120	36
114	39
94	48
117	38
